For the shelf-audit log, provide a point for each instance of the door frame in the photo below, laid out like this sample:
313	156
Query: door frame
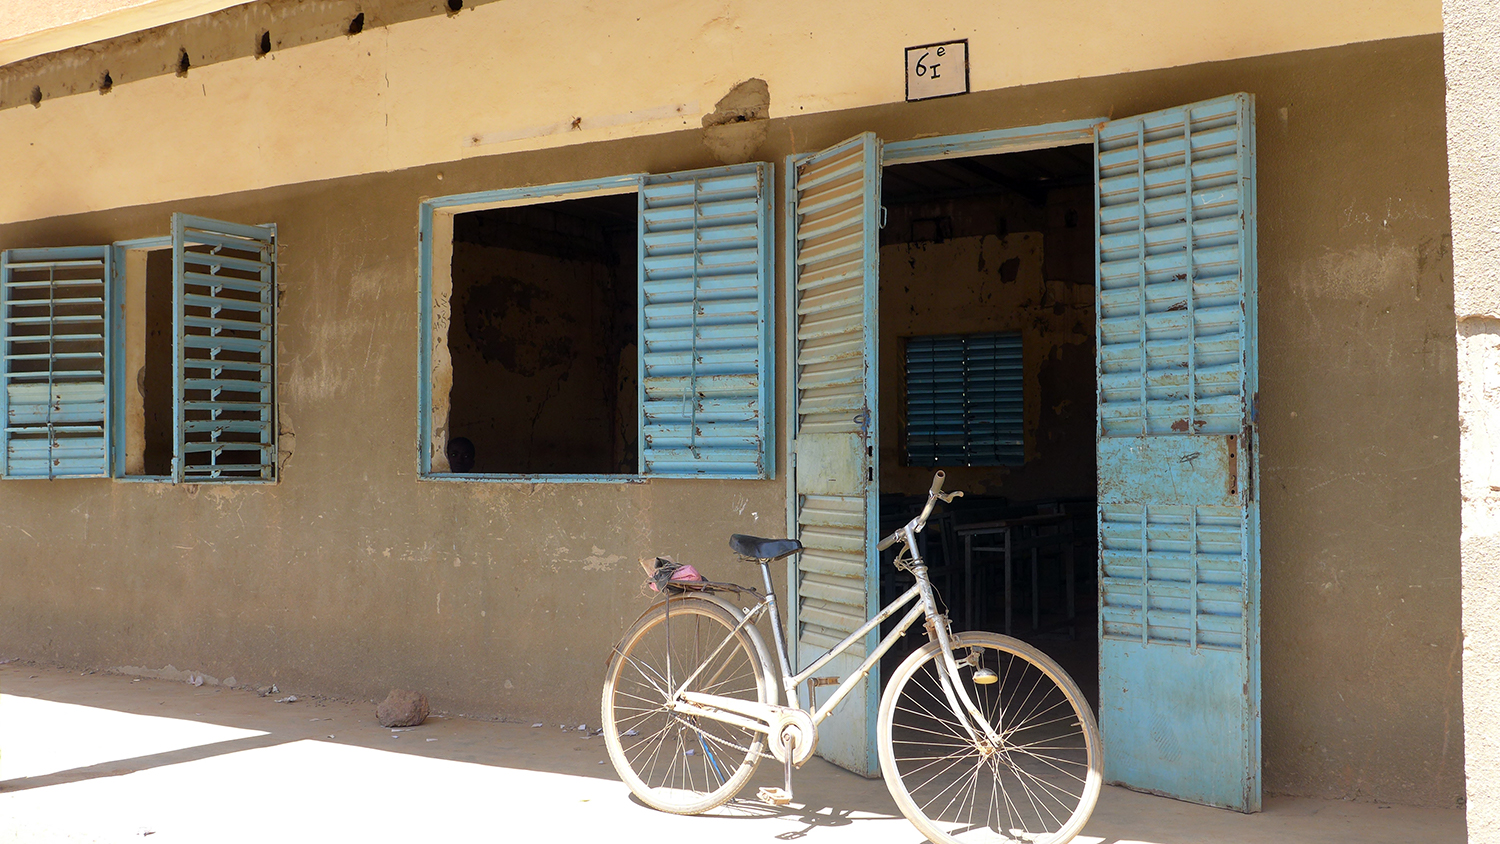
961	145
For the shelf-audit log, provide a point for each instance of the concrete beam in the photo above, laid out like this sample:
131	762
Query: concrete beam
33	29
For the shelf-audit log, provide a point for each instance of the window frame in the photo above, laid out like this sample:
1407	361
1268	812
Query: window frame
117	380
435	226
119	389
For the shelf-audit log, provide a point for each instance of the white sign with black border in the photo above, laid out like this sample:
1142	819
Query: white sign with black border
937	70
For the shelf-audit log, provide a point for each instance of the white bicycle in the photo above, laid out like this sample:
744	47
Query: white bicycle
981	737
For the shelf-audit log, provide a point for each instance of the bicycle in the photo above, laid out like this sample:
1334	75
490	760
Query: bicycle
980	737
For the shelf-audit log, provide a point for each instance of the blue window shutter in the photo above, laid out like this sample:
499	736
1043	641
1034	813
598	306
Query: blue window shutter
705	353
964	400
224	354
54	339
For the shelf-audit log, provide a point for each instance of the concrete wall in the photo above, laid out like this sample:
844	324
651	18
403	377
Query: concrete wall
1472	54
961	287
526	74
351	575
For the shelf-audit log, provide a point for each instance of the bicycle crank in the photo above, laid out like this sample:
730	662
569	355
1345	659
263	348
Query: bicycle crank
793	735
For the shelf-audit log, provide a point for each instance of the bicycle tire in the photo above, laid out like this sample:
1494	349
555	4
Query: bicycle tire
1039	787
675	763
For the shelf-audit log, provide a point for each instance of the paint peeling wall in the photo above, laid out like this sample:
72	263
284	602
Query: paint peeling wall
1037	279
351	576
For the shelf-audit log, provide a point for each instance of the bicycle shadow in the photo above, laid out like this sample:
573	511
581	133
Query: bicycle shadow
812	815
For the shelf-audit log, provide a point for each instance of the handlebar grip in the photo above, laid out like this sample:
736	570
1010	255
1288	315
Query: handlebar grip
937	482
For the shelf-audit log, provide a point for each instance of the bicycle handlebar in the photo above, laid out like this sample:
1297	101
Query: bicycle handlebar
916	525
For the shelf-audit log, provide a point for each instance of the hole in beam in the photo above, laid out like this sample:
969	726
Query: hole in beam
265	42
106	83
454	6
36	95
357	25
183	62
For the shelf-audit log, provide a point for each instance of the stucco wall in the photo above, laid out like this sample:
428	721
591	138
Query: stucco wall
525	74
351	575
1472	53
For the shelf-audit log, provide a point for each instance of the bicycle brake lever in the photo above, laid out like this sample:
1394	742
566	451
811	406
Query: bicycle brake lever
948	497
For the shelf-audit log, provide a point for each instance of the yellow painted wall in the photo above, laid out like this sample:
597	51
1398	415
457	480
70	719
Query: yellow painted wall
522	74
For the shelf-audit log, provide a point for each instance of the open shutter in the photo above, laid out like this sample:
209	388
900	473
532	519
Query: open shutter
1178	517
55	340
705	393
224	353
833	253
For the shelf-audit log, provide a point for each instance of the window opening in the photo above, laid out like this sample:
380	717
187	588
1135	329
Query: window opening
542	339
987	287
148	362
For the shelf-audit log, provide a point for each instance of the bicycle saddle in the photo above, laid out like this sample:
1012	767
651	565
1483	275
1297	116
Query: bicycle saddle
763	549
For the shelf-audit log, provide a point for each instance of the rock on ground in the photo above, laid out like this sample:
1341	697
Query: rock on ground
402	708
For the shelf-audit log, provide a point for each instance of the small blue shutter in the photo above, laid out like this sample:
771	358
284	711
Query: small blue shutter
705	391
964	400
55	341
1179	568
224	355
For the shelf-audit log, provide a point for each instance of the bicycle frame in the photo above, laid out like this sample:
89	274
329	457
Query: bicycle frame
757	716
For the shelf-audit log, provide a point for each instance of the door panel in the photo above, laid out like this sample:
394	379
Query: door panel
833	253
1179	573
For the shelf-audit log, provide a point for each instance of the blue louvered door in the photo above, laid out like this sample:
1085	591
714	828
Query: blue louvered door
1178	517
224	352
833	256
704	327
55	342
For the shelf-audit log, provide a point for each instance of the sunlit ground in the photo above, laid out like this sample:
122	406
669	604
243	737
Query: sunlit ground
71	773
325	791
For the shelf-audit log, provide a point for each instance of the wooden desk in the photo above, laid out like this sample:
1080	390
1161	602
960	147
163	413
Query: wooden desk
1007	537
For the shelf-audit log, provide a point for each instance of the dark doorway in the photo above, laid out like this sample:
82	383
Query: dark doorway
987	372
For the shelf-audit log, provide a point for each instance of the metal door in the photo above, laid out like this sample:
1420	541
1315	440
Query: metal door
833	255
1179	576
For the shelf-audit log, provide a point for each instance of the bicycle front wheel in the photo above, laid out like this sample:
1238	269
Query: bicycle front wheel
681	763
1038	786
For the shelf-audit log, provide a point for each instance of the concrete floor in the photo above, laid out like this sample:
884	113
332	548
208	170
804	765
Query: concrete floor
111	758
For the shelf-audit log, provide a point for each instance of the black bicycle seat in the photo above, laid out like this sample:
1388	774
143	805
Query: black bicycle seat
763	549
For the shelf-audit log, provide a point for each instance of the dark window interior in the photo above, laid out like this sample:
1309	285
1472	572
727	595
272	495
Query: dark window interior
543	338
154	380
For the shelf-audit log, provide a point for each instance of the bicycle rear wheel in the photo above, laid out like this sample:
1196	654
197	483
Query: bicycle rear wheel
672	762
1039	785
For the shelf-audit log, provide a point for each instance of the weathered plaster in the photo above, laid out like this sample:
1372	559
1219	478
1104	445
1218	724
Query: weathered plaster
438	87
1472	59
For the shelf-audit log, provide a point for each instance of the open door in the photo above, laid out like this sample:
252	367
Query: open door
1179	577
833	253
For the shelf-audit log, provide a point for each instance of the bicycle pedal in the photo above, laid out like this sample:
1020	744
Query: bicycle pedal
774	796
